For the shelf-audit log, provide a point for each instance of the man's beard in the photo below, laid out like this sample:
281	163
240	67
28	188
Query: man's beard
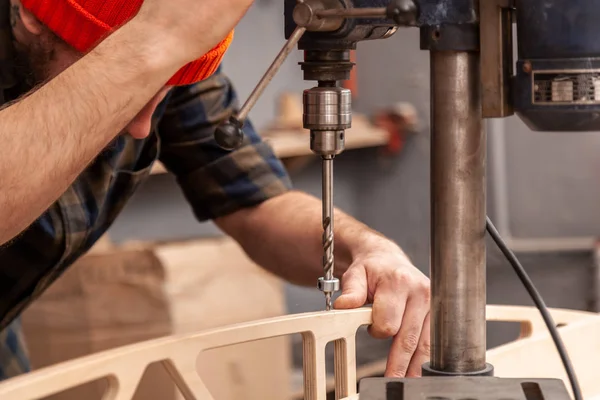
31	64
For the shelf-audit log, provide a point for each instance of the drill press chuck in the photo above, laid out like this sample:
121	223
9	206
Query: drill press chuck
327	114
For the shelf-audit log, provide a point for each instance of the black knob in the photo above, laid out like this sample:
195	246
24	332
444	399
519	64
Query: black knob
403	12
229	135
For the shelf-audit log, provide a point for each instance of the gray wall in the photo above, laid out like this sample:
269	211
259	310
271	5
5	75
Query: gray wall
552	181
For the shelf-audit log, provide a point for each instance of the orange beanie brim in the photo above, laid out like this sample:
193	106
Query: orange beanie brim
84	23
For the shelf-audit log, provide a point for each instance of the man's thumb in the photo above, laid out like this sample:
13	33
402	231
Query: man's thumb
354	289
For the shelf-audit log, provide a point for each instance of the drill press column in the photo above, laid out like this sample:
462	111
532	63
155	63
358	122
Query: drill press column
458	213
458	195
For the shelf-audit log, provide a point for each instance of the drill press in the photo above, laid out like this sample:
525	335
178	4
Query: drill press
553	86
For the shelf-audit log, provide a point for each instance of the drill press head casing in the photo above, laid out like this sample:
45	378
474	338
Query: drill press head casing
557	82
327	46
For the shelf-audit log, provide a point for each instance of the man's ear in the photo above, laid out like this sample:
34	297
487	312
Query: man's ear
28	20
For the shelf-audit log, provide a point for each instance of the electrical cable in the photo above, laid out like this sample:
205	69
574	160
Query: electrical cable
539	302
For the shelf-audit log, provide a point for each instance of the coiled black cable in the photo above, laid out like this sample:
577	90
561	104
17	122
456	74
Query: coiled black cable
539	302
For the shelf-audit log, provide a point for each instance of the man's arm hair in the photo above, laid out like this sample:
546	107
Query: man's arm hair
48	137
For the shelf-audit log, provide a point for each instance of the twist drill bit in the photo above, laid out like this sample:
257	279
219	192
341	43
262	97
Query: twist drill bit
328	258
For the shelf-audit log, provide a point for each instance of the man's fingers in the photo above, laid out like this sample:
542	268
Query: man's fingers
406	342
354	289
423	352
388	310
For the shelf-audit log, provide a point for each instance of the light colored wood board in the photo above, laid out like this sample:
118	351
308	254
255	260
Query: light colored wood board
293	143
136	292
530	319
531	357
179	353
536	356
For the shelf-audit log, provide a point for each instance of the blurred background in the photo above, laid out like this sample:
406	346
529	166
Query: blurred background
543	189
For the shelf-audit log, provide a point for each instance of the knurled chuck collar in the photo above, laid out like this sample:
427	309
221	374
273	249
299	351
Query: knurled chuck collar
327	114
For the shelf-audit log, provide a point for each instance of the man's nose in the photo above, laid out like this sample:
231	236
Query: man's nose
140	127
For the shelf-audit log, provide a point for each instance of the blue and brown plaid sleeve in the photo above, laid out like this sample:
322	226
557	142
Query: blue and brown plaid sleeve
14	358
216	182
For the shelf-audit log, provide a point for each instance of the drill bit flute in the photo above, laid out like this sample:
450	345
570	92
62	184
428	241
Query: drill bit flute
328	242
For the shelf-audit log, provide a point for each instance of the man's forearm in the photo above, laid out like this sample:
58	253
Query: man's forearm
284	235
48	137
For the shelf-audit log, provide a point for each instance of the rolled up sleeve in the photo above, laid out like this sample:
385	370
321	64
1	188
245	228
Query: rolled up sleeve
216	182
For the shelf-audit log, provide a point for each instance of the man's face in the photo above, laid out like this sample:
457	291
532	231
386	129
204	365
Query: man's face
41	56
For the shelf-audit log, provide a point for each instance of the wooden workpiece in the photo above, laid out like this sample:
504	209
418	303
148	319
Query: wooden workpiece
516	359
122	294
531	355
125	366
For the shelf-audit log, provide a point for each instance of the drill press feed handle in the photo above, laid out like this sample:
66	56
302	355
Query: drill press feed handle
229	135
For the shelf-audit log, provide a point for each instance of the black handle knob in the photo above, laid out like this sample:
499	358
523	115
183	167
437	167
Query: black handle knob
229	135
403	12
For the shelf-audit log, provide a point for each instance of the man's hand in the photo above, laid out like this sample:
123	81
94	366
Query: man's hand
399	292
283	235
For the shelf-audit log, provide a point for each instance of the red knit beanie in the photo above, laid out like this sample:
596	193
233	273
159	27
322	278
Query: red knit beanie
83	23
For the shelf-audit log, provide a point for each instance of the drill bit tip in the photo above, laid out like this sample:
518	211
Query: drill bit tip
328	305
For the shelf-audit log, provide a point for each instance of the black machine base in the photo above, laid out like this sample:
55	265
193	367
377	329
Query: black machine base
462	388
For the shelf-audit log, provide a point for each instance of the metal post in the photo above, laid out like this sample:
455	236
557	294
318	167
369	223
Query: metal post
458	210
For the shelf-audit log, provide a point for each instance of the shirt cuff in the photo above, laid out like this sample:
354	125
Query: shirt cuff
244	178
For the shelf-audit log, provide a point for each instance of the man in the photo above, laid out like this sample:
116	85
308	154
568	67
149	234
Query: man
96	91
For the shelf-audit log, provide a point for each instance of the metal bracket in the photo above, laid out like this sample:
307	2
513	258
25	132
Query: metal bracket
496	57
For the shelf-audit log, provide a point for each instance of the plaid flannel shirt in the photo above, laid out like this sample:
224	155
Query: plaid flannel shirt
215	182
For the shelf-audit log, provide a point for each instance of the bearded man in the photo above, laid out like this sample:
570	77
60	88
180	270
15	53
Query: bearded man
94	93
